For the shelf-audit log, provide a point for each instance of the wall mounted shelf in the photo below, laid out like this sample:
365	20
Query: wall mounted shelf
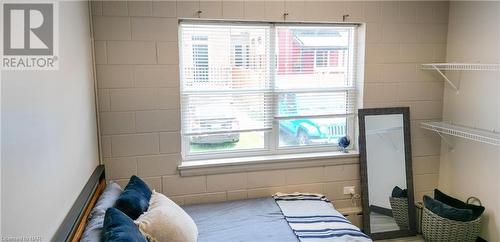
440	67
479	135
461	67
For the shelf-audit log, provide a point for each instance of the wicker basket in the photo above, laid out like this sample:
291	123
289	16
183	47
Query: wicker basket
436	228
419	206
400	211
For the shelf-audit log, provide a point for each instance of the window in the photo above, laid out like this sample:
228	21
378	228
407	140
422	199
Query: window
321	58
261	88
200	58
238	55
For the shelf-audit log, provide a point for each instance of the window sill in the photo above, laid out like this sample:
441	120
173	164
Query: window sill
269	162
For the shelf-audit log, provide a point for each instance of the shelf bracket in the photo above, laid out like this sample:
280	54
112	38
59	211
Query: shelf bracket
446	78
450	145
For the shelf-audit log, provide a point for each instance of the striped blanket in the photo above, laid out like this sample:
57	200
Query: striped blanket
313	218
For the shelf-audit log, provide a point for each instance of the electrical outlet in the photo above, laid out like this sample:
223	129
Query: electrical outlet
349	190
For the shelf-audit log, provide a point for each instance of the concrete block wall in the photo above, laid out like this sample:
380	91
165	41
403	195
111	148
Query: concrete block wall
477	105
138	79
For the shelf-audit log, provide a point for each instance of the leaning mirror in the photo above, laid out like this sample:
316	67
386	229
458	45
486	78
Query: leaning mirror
386	172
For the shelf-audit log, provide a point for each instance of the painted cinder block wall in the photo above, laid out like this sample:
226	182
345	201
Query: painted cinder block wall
138	89
471	168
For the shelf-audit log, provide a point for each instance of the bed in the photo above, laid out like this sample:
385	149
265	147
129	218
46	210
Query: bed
244	220
261	219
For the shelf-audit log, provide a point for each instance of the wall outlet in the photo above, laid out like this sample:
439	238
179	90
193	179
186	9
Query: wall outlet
349	190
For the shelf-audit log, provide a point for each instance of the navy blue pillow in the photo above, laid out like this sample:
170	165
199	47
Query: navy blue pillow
134	199
137	184
476	210
447	211
118	227
398	192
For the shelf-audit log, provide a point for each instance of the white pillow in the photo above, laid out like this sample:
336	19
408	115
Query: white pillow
166	221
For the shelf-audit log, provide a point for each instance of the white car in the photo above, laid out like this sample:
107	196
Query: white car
215	118
207	124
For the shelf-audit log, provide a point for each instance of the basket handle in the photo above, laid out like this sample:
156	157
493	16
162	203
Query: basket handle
474	199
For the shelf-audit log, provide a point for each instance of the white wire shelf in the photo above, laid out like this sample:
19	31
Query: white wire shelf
479	135
461	67
440	67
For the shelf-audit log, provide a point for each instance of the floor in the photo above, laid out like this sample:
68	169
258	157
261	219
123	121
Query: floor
386	223
382	223
417	238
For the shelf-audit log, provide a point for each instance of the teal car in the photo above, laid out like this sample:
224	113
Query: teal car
313	131
304	131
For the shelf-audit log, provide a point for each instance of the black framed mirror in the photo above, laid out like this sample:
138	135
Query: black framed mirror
386	172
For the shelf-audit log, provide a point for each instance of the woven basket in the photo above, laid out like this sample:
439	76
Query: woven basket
419	207
436	228
400	211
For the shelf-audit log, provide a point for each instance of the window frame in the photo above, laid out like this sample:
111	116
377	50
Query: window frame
271	138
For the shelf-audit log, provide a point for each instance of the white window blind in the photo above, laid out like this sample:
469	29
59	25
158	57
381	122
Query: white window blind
315	74
238	77
226	80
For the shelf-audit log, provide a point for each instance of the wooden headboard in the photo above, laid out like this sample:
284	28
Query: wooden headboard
74	223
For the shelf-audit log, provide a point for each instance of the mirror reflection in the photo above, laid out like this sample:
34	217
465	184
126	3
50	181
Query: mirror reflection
387	188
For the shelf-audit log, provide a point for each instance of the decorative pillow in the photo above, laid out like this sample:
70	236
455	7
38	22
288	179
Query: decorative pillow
398	192
139	185
93	229
118	227
166	221
134	199
446	211
476	210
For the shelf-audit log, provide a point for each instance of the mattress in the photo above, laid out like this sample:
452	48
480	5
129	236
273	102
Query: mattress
245	220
